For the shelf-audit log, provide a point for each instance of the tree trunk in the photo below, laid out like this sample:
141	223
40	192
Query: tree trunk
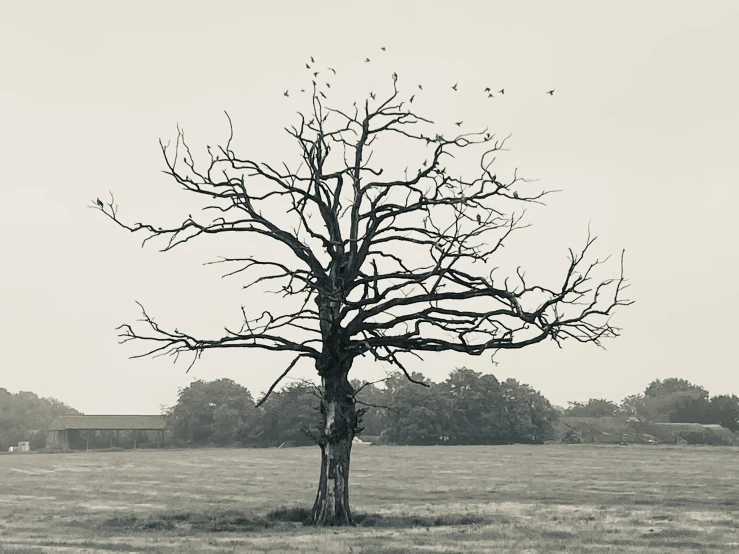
339	426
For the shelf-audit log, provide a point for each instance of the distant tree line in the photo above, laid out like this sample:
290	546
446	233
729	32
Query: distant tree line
466	408
24	417
671	400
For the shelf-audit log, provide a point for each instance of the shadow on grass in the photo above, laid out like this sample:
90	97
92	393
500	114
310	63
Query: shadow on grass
284	517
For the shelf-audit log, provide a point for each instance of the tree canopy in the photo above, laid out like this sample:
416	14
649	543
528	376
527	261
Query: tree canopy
343	231
219	413
595	407
24	413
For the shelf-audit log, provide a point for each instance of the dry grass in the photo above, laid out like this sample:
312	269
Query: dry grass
419	499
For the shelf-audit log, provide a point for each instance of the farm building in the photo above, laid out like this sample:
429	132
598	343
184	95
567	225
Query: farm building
628	429
83	432
697	433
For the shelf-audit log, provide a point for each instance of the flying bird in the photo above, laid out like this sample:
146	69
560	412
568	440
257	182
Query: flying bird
420	87
455	86
487	89
312	60
372	95
315	74
366	60
501	91
302	90
328	85
332	69
307	66
321	93
286	93
382	48
412	97
99	202
459	123
551	92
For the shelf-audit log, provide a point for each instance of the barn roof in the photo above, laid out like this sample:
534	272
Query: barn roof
109	422
715	427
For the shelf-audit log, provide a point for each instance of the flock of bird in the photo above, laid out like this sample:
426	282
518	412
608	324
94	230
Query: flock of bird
455	86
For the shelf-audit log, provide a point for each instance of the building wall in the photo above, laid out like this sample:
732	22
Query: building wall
56	439
74	439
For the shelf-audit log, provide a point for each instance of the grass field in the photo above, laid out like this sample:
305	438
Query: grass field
408	499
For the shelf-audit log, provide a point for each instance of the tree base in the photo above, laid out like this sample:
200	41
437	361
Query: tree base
331	507
329	520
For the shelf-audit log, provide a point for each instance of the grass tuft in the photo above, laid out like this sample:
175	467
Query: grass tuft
212	522
394	522
294	514
236	521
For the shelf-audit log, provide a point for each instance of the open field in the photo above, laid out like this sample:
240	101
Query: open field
420	499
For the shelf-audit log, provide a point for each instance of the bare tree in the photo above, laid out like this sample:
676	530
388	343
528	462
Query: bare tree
385	267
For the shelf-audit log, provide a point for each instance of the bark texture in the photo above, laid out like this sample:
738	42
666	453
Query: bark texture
339	426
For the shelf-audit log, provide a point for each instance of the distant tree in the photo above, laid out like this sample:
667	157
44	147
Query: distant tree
24	416
595	407
341	227
467	408
517	417
680	401
722	410
478	408
530	416
725	411
673	399
374	404
634	405
218	413
691	409
291	416
417	417
672	386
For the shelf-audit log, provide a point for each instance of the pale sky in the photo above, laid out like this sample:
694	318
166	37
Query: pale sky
642	137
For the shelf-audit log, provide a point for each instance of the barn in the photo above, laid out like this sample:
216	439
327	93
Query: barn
84	432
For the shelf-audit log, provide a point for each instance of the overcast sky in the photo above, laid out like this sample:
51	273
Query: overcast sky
641	136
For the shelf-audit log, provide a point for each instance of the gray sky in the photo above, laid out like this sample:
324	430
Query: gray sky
641	136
